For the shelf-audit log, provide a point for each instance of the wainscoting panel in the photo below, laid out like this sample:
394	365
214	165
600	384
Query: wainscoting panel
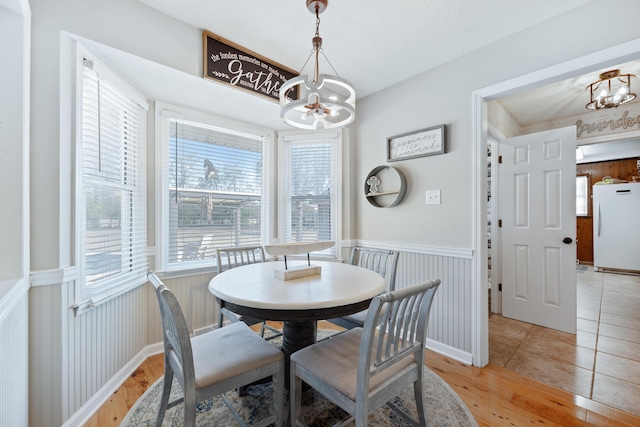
99	342
14	364
450	320
45	357
450	323
73	356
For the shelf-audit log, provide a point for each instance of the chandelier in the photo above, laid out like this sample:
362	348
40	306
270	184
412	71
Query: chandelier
611	90
324	101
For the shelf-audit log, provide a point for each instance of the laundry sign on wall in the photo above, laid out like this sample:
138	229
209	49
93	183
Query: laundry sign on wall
231	64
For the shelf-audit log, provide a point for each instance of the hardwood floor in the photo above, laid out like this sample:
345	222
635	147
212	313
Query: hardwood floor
495	396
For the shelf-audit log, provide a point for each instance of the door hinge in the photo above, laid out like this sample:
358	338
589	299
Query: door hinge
499	159
500	223
500	287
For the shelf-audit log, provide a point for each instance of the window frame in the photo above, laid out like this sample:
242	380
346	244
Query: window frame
336	139
164	113
587	176
85	296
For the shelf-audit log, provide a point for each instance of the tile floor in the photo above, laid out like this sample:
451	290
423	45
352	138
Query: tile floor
601	362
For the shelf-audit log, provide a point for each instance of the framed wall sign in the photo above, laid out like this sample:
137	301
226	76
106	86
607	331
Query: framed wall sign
420	143
231	64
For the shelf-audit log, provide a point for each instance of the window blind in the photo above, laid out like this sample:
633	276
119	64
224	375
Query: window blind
112	189
310	188
215	191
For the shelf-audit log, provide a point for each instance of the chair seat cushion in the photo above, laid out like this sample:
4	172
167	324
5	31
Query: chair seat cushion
358	317
335	361
214	362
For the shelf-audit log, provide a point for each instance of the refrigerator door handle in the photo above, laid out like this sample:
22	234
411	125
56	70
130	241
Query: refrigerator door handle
598	223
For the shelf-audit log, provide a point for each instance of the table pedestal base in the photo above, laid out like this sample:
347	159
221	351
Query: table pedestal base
296	336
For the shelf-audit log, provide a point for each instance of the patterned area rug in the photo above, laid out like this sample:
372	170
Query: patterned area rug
444	407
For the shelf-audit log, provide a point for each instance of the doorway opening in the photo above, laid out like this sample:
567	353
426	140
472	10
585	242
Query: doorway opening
576	67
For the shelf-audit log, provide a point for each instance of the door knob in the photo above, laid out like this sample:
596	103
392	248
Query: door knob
567	240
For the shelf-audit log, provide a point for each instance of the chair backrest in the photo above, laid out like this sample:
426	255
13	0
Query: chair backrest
382	261
395	328
177	342
236	256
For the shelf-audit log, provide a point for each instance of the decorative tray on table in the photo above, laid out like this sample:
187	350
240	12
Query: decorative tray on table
297	248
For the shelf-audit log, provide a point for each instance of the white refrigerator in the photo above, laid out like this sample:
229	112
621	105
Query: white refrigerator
616	226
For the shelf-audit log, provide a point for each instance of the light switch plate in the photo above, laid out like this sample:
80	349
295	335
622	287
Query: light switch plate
433	197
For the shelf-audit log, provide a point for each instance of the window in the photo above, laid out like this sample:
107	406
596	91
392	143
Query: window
311	189
111	236
583	195
214	184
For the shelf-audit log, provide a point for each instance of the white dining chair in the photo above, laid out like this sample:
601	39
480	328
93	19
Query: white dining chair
214	363
364	368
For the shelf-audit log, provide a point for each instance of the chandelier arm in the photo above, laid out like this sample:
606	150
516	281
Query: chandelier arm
307	61
329	62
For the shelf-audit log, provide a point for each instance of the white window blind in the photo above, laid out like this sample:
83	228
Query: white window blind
111	189
215	192
311	188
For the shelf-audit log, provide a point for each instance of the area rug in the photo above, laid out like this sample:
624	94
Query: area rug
444	407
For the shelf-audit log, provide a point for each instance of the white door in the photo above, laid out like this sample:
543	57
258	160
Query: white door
538	227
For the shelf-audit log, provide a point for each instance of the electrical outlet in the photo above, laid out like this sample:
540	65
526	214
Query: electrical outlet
433	197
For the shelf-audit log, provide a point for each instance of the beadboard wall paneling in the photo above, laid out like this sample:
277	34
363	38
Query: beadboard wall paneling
72	357
98	343
45	356
450	322
14	364
450	319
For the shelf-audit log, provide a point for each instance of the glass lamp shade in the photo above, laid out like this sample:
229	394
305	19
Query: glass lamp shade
611	90
328	103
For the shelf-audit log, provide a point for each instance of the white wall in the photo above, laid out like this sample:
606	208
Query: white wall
15	25
443	96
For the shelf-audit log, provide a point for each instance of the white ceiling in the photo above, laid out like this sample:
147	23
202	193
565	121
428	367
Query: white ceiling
562	99
416	35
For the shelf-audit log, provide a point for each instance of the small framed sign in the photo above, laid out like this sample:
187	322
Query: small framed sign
420	143
231	64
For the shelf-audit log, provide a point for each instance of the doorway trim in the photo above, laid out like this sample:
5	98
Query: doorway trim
479	125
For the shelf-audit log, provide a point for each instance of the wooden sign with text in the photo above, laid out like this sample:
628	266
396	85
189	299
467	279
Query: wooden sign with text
236	66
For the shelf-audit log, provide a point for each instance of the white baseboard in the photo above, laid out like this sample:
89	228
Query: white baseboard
454	353
82	415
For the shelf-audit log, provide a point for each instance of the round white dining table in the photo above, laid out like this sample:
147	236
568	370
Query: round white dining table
253	290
